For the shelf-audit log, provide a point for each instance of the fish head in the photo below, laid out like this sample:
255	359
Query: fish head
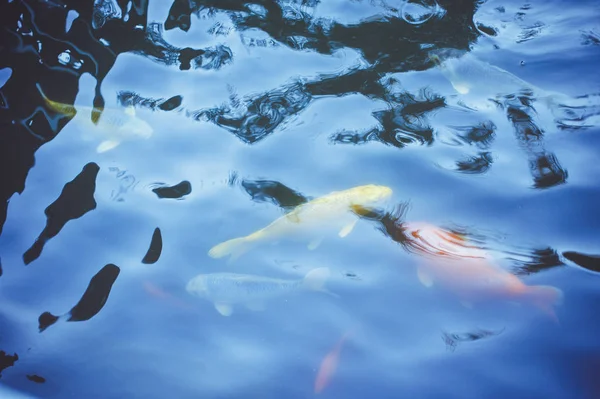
197	286
370	194
138	127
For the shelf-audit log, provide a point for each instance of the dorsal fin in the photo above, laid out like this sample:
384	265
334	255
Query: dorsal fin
130	110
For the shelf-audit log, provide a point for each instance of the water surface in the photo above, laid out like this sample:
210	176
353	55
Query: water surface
256	108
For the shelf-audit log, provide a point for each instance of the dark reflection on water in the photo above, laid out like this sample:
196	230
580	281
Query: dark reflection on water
401	125
544	166
177	191
75	200
36	378
155	248
274	192
453	339
129	98
92	300
439	100
7	360
589	262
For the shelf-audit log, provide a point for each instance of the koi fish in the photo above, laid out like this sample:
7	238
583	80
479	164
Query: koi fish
467	74
227	289
329	364
470	272
470	76
116	124
332	211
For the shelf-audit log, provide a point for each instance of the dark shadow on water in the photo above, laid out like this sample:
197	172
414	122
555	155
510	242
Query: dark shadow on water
41	48
543	165
589	262
452	340
177	191
155	249
93	300
7	360
390	41
397	48
75	200
401	124
129	98
36	378
274	192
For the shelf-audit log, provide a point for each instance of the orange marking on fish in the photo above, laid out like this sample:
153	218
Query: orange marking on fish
154	290
158	292
470	272
329	364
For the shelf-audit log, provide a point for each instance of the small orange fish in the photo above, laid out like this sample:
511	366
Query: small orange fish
470	272
329	364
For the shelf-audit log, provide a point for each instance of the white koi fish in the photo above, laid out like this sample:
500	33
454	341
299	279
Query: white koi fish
227	289
481	82
333	211
116	124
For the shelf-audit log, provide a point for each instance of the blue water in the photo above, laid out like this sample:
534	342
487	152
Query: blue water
152	338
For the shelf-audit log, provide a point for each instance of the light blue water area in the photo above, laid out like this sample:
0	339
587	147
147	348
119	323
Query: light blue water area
152	338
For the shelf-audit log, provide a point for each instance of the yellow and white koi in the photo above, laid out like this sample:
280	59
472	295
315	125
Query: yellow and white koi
332	211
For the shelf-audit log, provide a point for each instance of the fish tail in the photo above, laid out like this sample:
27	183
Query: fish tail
315	280
235	247
545	298
47	319
66	109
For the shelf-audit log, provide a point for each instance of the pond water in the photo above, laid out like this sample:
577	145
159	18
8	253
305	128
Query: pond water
430	169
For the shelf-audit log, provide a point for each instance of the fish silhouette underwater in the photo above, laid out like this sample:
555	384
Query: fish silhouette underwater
225	290
115	124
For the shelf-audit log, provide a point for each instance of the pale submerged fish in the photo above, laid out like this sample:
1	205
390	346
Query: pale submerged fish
115	124
468	75
332	211
480	82
225	290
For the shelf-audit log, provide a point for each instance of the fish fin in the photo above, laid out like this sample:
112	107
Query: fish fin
235	247
545	297
461	88
314	244
224	308
315	280
130	110
293	217
107	145
347	229
424	277
256	306
65	109
96	114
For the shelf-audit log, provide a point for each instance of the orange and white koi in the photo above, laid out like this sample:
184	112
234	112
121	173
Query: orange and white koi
470	272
